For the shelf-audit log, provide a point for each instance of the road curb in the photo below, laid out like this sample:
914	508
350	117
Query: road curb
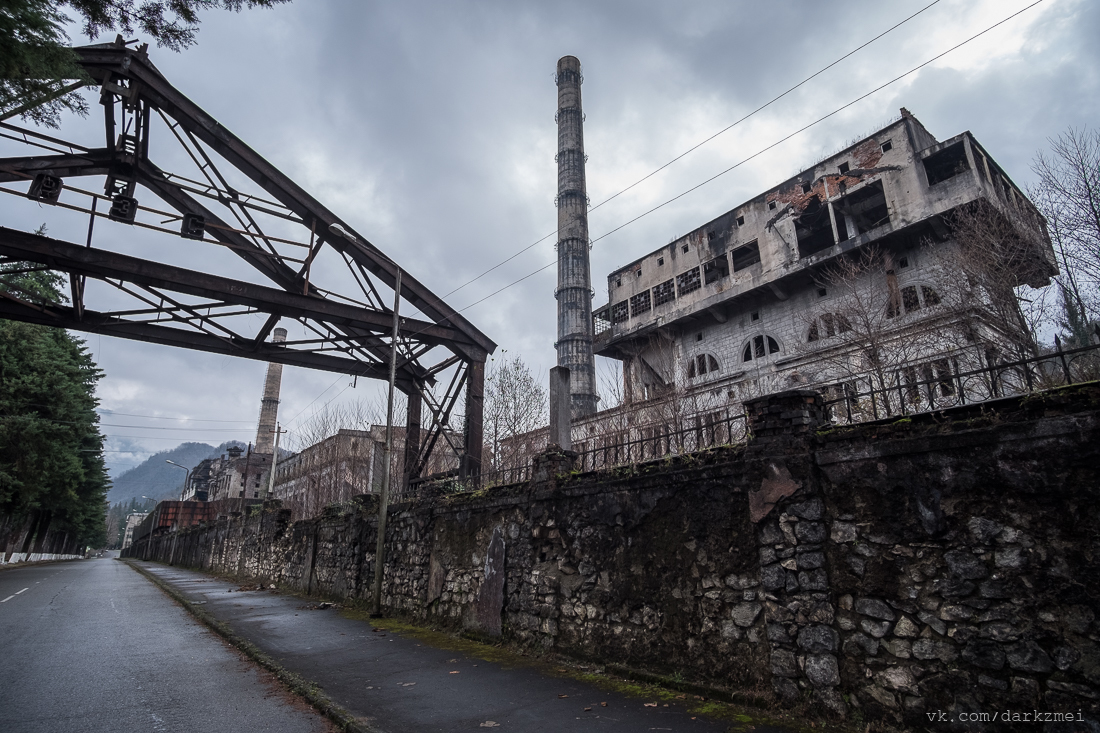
300	686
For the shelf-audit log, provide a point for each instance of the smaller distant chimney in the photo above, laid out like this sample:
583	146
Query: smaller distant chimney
269	404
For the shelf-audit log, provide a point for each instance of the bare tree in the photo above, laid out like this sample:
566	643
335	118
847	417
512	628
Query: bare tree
995	275
515	404
1068	195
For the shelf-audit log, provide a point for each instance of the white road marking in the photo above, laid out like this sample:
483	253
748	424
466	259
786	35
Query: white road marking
7	599
23	591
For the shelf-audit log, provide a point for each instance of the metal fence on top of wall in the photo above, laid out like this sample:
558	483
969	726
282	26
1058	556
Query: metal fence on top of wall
907	391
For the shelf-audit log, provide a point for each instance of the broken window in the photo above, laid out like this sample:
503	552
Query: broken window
806	187
913	298
813	228
639	303
688	282
861	211
829	325
745	256
601	320
716	269
664	293
619	312
771	205
660	261
755	348
740	221
947	163
844	168
909	299
887	146
702	364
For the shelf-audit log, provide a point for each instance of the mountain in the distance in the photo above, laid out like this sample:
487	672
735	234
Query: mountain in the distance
159	480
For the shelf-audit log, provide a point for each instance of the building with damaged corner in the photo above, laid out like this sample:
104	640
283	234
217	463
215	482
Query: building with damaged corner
751	302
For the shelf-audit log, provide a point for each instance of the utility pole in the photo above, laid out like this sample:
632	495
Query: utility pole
384	500
274	462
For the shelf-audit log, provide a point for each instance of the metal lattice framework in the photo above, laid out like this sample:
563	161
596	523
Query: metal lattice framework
322	274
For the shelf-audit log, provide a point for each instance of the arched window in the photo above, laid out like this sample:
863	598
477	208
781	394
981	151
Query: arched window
759	347
701	364
827	326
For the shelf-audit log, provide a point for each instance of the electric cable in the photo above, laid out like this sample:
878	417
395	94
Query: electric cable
760	152
698	145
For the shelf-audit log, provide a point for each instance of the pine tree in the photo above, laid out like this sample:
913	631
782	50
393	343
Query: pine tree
36	63
51	450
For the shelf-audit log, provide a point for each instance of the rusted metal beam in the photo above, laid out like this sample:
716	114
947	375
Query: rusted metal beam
99	60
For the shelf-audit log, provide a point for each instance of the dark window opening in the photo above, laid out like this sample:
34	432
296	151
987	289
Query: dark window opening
745	256
771	205
664	293
740	221
947	163
716	269
639	303
755	316
755	348
619	312
903	262
637	273
699	336
931	297
688	282
806	187
887	146
844	168
829	325
618	282
702	364
861	211
813	228
660	262
909	299
685	248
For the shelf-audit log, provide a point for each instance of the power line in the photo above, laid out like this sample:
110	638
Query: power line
698	145
766	149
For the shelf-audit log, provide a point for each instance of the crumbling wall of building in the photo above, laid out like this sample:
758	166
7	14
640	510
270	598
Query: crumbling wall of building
945	562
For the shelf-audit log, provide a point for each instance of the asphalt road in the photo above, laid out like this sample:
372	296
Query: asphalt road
397	682
91	645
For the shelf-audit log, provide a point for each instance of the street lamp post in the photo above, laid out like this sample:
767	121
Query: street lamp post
186	478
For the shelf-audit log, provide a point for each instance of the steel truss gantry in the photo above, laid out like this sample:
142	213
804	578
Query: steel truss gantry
275	226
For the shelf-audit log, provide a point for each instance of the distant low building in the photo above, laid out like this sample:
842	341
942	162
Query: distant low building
132	521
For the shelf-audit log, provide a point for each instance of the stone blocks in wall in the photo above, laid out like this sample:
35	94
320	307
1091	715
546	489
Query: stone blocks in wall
904	568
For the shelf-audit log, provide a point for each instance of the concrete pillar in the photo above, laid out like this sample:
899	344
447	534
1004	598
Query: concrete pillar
269	404
475	415
561	434
574	291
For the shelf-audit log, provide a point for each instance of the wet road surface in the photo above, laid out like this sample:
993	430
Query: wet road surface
396	683
91	645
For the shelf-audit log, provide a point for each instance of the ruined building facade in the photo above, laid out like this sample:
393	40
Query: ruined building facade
846	276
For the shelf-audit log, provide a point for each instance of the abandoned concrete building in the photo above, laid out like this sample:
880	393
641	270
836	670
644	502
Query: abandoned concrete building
795	286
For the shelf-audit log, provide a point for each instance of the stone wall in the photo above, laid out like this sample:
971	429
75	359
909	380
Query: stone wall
941	563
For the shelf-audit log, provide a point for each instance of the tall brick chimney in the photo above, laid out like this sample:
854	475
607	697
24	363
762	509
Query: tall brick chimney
574	291
269	404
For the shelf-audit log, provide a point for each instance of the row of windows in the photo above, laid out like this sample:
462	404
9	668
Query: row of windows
683	284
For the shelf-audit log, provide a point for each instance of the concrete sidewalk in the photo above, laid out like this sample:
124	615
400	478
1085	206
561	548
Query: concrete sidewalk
393	678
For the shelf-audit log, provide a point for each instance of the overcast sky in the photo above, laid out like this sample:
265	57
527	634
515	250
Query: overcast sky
429	127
